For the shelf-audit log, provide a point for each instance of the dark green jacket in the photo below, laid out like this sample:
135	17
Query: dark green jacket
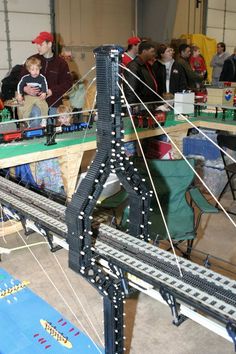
192	77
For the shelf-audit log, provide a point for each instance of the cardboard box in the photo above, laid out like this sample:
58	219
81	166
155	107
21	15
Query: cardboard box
184	103
157	149
222	96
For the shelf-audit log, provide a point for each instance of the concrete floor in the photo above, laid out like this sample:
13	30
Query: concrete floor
148	322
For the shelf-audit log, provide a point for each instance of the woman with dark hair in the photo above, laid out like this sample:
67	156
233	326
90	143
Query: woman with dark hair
217	62
169	74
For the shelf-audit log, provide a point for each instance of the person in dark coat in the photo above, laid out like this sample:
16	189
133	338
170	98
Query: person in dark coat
9	83
194	80
169	74
141	67
229	69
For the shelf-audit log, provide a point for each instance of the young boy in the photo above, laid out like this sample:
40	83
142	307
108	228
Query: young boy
197	62
64	118
36	80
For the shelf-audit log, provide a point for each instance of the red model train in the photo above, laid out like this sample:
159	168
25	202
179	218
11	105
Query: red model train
146	121
38	132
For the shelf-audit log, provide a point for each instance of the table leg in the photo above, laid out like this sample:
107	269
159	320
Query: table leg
70	165
177	138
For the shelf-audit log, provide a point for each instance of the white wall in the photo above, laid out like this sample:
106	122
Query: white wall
221	22
82	25
156	19
26	19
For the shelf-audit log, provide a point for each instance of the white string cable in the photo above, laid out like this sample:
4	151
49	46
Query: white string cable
180	152
41	117
58	114
92	110
55	287
182	116
2	225
9	250
82	79
152	183
54	115
78	299
84	137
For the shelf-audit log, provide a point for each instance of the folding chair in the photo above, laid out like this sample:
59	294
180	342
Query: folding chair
228	142
173	180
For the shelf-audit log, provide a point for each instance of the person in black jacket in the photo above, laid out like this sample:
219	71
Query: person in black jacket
9	83
229	69
143	70
169	74
194	80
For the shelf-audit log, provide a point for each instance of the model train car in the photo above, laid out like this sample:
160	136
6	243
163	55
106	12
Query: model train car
38	132
146	121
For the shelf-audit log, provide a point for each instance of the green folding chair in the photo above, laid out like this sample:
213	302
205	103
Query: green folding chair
179	199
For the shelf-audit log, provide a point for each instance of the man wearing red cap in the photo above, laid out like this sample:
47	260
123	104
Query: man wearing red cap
132	50
56	71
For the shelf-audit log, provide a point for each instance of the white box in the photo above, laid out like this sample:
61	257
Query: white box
184	103
111	187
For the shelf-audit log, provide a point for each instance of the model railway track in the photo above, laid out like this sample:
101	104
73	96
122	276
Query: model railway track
35	200
158	267
206	289
41	210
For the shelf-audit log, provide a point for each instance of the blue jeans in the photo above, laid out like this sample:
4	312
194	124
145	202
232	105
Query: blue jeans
37	113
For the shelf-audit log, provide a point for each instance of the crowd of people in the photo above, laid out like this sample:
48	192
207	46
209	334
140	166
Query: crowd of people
151	72
167	72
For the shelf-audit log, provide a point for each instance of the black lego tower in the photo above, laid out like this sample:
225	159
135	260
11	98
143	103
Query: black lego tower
110	157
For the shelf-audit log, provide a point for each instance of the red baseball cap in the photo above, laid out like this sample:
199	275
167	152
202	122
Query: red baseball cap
134	40
43	36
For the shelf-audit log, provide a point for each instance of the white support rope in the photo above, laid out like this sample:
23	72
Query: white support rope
56	288
85	134
55	115
78	299
91	111
152	183
82	79
180	152
71	113
182	116
9	250
2	225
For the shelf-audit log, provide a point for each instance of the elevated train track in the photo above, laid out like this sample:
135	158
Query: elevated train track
199	288
107	259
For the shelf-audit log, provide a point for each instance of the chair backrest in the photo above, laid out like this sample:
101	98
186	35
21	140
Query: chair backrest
227	141
171	178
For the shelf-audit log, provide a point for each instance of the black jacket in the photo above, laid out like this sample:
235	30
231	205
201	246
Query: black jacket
145	73
192	77
228	72
178	81
9	83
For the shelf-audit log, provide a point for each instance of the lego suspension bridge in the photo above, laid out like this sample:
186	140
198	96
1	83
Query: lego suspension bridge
195	288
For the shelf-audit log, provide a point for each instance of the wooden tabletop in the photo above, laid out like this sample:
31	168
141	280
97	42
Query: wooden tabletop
14	154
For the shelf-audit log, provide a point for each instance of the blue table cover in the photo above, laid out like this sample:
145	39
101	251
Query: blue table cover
29	325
